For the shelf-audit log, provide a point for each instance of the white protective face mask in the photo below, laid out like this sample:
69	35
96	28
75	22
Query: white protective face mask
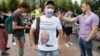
49	12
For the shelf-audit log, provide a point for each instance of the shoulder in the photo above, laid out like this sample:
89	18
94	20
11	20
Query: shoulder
56	19
42	16
79	16
94	15
15	14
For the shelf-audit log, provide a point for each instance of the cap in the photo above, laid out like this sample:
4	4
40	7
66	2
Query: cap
49	2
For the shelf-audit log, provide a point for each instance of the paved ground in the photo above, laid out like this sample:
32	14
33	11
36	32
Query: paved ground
71	51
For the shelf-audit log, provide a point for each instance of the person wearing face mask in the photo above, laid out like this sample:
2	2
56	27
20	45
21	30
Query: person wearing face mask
50	24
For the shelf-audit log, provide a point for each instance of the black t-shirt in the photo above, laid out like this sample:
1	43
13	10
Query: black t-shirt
17	17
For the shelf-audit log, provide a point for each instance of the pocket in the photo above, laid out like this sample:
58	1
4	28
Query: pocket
88	42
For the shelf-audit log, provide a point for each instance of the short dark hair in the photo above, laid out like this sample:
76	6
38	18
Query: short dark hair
49	2
71	10
88	3
23	5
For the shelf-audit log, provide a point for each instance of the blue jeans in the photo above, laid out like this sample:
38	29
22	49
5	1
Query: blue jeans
51	53
85	47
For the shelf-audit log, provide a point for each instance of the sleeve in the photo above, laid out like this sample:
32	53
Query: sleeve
77	18
59	26
95	20
34	24
15	18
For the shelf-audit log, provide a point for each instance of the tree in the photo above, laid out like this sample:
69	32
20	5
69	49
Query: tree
96	7
42	3
70	4
82	1
56	4
25	1
32	6
3	6
13	4
60	4
76	7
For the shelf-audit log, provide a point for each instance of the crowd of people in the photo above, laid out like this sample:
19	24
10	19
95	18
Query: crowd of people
47	32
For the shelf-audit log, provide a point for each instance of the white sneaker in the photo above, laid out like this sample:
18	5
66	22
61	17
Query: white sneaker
66	44
70	43
14	43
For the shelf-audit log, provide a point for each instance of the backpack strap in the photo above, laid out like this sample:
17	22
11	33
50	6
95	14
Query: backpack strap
37	30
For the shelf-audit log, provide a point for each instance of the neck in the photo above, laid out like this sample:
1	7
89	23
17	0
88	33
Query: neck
87	12
19	10
48	16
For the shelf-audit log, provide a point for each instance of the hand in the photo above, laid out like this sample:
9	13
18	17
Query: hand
61	15
60	47
26	26
3	25
35	47
87	40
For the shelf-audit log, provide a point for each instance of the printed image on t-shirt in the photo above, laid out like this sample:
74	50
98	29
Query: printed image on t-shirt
45	37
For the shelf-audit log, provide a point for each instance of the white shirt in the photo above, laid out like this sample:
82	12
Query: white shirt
48	27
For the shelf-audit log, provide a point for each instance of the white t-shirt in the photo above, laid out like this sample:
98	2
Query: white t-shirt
48	40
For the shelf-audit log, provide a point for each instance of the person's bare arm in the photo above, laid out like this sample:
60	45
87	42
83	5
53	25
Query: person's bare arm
31	35
3	25
15	26
92	33
32	38
61	40
27	27
70	19
60	36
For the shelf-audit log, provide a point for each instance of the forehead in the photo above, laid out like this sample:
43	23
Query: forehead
49	5
24	8
83	4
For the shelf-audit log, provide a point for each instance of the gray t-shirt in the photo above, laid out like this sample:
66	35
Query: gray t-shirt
68	24
17	17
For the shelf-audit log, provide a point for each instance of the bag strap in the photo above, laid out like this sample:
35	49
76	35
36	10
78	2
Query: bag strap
38	23
37	30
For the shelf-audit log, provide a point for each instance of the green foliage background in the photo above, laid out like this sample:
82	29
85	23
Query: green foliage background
11	5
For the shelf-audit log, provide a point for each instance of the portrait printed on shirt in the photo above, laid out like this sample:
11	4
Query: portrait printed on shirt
44	37
47	33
